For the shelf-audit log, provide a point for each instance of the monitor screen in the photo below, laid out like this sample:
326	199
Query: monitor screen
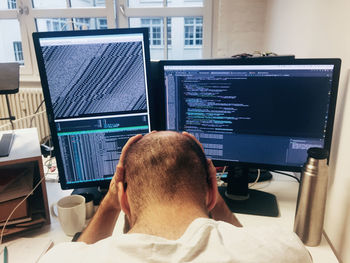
264	114
95	88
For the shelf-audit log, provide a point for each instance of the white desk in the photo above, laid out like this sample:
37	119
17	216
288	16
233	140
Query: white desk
284	188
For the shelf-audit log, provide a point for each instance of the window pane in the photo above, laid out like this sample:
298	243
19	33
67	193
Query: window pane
64	24
168	22
8	4
88	3
11	46
184	43
145	3
67	4
49	3
156	34
53	24
170	3
184	3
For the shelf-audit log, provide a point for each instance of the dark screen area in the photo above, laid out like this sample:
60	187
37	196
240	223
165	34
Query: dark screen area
259	105
263	115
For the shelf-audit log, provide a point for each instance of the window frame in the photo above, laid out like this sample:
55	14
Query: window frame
194	25
18	50
117	14
26	15
124	13
151	25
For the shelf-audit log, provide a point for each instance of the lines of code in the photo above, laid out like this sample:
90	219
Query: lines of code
95	78
211	105
91	148
250	115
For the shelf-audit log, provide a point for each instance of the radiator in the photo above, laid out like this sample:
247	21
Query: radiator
23	106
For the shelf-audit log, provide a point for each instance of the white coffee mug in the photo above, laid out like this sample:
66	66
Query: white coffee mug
71	213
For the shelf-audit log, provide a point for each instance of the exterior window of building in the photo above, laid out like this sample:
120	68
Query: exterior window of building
17	48
172	37
164	18
155	30
11	4
102	23
81	23
56	24
168	24
193	31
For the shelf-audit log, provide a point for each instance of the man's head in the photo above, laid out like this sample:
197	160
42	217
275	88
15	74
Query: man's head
165	167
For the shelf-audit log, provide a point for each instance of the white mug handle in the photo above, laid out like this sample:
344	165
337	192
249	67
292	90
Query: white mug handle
52	210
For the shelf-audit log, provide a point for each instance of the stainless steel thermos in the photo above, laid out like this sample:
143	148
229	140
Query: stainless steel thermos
308	224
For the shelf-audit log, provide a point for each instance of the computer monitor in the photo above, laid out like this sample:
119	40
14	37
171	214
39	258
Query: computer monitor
95	87
253	113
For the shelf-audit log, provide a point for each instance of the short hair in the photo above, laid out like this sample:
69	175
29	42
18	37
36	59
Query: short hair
163	167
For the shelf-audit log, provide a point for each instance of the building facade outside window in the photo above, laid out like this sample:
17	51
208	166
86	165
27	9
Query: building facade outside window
102	23
17	49
164	18
185	26
11	4
55	24
155	30
168	24
193	31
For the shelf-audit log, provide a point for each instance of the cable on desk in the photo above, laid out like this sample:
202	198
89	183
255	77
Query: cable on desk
36	111
256	180
25	198
296	178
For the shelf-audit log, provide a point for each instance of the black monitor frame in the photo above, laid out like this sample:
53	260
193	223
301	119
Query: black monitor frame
265	61
237	194
44	82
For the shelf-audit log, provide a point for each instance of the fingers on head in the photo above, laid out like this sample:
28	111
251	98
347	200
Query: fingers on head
126	147
189	135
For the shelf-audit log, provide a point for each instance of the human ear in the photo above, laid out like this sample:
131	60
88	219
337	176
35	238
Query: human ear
212	193
123	198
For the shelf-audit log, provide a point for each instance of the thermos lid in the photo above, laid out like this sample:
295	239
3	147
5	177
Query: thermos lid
317	153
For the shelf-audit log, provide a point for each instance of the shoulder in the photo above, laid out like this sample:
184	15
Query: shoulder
76	252
260	244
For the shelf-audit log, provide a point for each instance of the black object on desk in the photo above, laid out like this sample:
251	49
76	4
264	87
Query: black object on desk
242	200
9	84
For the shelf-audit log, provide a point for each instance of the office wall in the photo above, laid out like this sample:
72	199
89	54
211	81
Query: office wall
317	28
238	26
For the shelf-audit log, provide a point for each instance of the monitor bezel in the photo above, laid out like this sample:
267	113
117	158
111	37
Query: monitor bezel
265	61
45	87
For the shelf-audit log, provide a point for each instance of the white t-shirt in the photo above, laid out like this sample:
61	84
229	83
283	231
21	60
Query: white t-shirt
205	240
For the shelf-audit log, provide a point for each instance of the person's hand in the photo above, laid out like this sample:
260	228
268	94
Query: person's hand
112	194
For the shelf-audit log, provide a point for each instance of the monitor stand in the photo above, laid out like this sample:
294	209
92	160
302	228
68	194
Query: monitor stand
242	200
91	193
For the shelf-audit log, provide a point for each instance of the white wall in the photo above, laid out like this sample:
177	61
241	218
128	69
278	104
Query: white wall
238	27
320	28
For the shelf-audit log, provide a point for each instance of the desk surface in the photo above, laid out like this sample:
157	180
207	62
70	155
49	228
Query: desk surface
22	148
284	188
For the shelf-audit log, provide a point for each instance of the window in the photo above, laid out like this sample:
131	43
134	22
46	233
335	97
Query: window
155	30
164	18
11	4
193	31
101	23
17	48
179	29
81	23
52	24
168	24
48	15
